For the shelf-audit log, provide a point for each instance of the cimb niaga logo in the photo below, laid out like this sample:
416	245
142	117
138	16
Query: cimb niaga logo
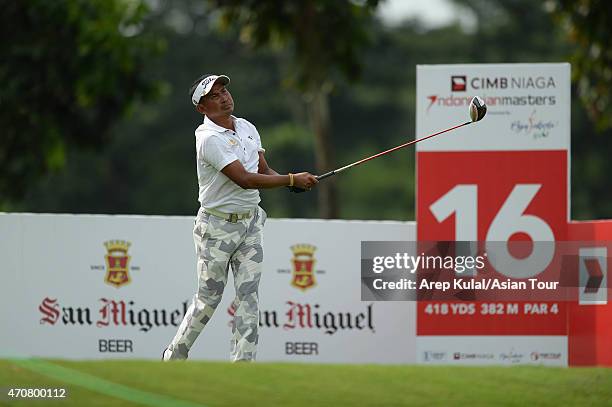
458	83
472	356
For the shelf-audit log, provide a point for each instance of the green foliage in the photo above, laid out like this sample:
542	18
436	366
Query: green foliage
289	148
324	35
69	69
587	24
513	31
590	168
326	38
524	31
147	165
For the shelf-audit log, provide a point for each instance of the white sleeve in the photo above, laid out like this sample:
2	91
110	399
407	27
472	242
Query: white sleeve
217	152
257	137
259	146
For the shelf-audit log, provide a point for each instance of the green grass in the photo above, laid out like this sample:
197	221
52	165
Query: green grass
132	383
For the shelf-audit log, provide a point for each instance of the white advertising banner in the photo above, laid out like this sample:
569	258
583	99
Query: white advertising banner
528	106
88	287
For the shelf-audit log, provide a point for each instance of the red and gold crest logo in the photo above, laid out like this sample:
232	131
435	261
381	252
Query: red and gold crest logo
303	266
117	263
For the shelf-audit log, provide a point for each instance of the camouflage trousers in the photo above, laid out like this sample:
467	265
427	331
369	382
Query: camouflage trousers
220	244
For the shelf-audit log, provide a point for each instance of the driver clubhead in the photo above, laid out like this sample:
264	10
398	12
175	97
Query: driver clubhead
478	109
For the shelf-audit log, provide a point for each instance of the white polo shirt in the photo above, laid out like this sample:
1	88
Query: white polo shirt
216	147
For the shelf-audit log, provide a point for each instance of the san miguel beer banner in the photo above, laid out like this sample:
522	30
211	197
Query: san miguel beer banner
87	287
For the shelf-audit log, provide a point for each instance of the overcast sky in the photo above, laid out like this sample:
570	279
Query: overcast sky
433	13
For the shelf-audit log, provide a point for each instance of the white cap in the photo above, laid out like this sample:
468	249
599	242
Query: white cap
206	85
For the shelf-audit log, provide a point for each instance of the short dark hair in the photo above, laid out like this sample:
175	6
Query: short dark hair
195	84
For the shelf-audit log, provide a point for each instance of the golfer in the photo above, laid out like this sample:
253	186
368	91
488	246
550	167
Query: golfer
228	227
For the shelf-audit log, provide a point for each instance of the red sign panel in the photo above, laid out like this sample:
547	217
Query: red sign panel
494	196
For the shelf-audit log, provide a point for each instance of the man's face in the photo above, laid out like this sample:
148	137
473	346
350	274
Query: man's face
217	103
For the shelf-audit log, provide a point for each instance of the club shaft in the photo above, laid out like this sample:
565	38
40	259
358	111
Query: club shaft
356	163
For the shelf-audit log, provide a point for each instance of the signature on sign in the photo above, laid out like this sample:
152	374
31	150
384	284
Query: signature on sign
533	127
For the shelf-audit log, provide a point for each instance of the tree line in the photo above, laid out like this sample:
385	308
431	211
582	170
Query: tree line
96	117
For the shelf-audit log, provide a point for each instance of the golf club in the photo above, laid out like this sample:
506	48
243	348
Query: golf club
477	111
